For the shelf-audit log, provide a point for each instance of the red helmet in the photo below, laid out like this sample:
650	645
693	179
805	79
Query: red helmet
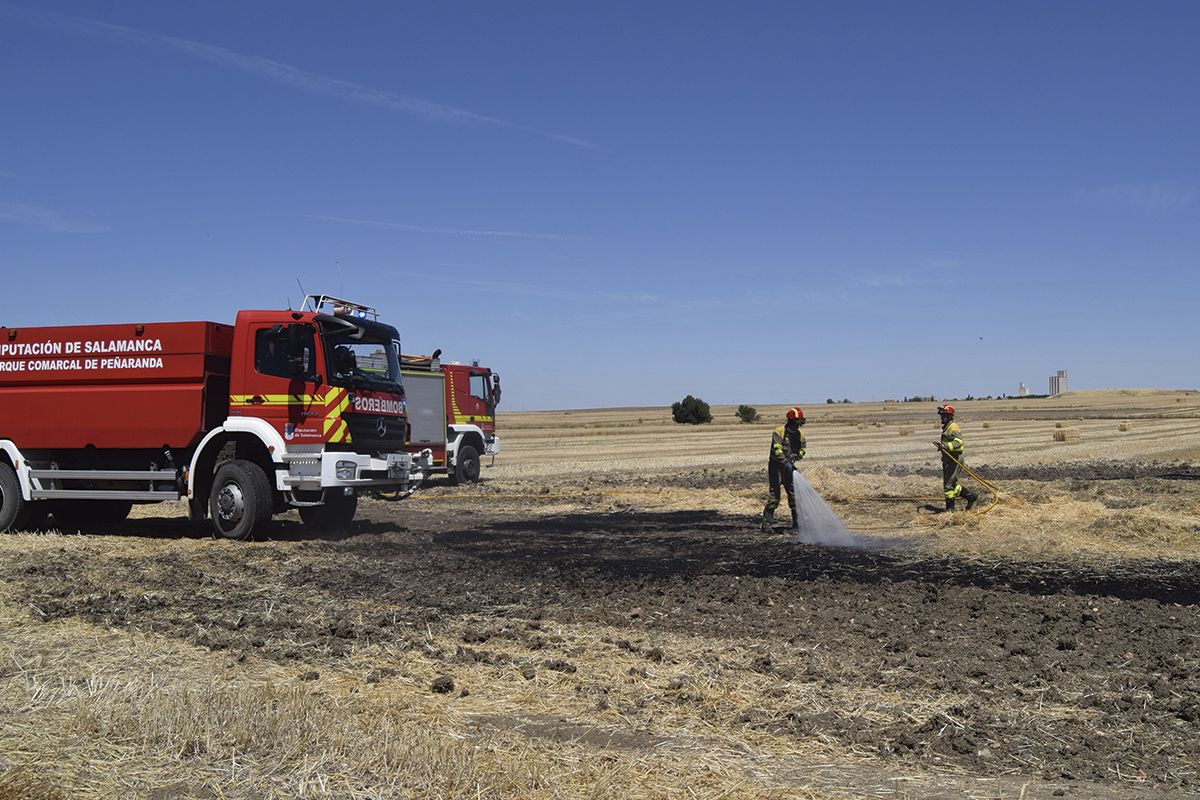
795	414
946	410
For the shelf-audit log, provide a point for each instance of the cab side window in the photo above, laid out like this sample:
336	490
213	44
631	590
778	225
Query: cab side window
271	352
478	386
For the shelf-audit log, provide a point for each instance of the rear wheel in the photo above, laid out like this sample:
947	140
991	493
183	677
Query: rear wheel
336	515
241	501
11	503
33	516
466	466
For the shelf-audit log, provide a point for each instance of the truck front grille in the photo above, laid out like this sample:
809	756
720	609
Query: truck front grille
365	435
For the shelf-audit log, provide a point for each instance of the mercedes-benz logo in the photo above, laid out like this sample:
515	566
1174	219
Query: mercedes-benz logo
381	427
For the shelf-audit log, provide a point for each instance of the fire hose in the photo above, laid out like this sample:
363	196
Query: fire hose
981	481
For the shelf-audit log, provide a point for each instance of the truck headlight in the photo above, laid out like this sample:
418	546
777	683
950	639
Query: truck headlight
346	470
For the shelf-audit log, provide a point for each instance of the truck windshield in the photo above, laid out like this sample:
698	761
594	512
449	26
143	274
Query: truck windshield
362	354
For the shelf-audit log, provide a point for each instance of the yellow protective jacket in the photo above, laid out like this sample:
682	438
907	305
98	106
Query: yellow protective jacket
787	446
952	439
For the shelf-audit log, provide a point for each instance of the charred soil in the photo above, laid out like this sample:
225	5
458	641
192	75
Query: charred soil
1065	674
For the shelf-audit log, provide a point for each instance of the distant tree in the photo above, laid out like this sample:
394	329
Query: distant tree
691	410
845	400
828	401
748	414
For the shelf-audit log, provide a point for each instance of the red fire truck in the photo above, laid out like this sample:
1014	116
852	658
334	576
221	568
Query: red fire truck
452	413
283	409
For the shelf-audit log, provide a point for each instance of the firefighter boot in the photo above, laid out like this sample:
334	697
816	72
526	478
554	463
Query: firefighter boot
795	520
949	504
972	498
767	519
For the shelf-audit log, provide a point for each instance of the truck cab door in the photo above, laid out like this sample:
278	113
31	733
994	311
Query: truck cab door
493	388
281	382
477	405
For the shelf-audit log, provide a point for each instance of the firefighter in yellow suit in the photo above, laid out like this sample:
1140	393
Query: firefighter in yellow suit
787	447
951	448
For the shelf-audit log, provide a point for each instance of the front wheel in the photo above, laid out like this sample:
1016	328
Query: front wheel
12	504
241	502
335	515
466	466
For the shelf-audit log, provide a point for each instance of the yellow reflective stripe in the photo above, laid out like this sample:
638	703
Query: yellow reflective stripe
454	412
341	433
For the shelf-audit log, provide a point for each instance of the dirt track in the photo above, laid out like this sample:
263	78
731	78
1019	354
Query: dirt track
1079	678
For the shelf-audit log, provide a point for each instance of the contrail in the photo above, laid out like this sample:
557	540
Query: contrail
399	226
275	71
45	220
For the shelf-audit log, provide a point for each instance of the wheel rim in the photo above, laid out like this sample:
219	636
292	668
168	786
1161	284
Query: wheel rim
231	505
472	471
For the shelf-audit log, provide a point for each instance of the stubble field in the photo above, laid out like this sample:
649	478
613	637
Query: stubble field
601	617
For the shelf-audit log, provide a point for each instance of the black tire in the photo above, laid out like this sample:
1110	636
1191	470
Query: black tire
336	515
85	515
241	502
466	466
12	504
112	512
33	516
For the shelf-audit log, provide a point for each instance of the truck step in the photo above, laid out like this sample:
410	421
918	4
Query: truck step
101	475
144	494
101	494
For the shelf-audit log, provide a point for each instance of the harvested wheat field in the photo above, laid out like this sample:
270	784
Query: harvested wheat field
601	617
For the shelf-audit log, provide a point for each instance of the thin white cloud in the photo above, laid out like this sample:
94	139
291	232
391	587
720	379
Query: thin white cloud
399	226
930	269
1149	197
944	262
266	69
6	174
44	220
883	280
514	288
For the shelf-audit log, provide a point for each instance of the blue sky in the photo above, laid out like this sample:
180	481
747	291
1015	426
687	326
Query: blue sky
622	203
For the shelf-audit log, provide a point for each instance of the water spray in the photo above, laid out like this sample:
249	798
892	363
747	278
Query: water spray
815	521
